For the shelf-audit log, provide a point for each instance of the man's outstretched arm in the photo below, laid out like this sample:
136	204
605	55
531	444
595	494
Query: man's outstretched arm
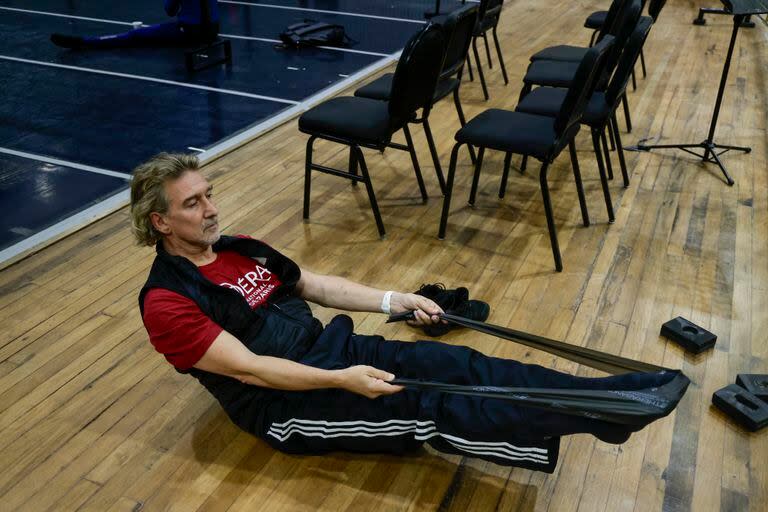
228	356
338	292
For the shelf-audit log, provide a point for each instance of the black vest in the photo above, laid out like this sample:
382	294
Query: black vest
284	327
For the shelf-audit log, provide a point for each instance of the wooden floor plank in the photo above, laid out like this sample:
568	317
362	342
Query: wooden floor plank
93	419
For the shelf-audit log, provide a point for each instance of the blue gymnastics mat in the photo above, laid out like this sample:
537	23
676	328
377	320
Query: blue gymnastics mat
70	113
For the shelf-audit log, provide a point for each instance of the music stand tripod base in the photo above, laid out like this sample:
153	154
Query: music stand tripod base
711	154
747	23
712	150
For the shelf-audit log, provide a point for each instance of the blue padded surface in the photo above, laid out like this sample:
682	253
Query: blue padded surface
113	122
258	67
38	195
369	34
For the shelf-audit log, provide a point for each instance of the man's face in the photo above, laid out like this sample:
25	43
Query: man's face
192	218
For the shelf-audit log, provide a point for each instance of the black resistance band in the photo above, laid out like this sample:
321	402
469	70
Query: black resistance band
631	407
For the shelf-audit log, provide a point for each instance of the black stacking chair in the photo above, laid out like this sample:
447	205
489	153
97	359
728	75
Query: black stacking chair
487	19
550	73
458	26
596	20
363	122
568	53
601	107
542	137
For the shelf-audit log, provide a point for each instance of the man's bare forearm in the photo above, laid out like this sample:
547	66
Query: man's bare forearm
338	292
228	356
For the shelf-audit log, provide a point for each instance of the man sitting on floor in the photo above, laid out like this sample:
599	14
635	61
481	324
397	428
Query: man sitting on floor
231	312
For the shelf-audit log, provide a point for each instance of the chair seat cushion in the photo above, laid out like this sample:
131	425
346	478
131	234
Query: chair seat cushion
515	132
360	120
562	52
596	20
550	72
546	101
379	89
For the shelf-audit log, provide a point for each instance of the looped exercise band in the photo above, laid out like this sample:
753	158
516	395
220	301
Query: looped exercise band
629	407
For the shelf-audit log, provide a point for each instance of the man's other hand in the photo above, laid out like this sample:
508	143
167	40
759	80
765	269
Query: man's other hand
367	381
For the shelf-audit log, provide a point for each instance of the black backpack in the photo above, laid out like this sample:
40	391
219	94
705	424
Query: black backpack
313	33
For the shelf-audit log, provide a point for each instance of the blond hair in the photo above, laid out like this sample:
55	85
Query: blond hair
148	191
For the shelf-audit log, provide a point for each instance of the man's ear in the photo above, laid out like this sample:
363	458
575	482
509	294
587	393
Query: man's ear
159	223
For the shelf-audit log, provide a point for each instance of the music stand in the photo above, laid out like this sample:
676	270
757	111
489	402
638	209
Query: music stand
739	9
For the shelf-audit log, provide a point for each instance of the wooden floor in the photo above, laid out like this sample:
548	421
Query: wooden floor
92	418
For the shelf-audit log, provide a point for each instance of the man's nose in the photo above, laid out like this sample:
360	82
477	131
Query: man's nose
210	208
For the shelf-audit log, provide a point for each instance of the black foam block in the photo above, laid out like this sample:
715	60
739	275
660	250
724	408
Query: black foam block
692	337
741	405
217	52
754	383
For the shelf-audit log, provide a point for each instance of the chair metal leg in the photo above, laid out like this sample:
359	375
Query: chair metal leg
608	165
620	151
415	160
642	63
627	118
487	51
550	217
476	176
448	191
352	165
610	135
308	175
505	175
579	184
603	177
369	189
479	68
501	59
469	68
523	164
462	119
435	157
459	109
634	80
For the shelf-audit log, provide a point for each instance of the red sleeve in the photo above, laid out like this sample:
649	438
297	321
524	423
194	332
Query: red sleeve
177	327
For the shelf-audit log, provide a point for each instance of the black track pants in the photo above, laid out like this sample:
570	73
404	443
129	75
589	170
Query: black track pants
319	421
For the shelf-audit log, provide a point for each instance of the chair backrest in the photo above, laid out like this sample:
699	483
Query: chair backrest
416	74
488	14
627	61
655	7
626	21
458	27
610	18
583	85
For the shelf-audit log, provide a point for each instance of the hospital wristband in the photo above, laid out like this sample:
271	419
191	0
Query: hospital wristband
385	303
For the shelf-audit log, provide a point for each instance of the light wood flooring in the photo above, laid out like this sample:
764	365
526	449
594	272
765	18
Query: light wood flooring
92	418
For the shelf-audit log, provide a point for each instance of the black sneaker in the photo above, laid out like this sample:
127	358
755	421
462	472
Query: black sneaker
455	302
474	310
66	41
446	299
